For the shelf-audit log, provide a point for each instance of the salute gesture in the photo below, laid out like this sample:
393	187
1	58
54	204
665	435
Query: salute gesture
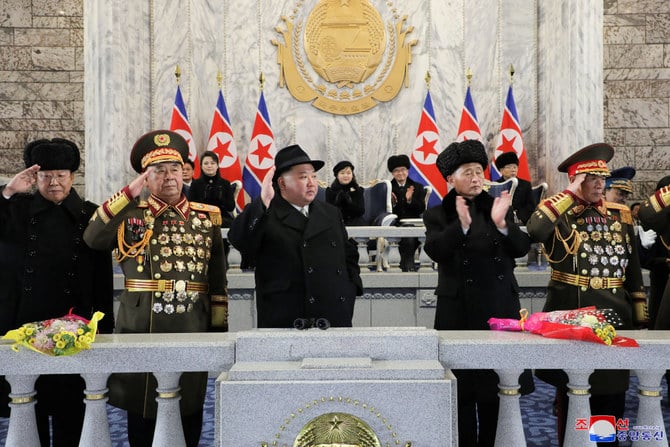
22	182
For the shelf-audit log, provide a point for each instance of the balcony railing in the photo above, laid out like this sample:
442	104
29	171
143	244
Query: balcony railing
167	355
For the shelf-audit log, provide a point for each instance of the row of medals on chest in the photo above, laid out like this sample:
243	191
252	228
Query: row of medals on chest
605	245
188	252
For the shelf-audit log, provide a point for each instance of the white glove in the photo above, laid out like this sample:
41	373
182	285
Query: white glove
647	238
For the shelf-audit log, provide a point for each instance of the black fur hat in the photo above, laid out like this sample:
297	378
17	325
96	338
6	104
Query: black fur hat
456	154
54	154
341	165
396	161
507	158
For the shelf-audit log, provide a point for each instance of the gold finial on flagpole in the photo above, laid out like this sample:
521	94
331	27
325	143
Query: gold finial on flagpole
261	79
468	75
219	79
511	73
427	78
177	73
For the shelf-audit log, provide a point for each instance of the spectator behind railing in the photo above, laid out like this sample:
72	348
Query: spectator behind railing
346	194
407	197
523	204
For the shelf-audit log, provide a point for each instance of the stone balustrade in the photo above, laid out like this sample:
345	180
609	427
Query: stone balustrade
335	363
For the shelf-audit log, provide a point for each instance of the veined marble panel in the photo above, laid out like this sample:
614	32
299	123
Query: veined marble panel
132	50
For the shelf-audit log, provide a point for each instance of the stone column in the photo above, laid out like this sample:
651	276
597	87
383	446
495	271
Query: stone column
570	73
649	411
578	407
22	428
95	430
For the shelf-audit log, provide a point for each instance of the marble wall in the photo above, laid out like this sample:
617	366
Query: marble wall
637	87
130	51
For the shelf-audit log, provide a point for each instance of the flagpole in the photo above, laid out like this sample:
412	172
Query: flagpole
261	80
177	73
468	75
511	74
219	79
427	79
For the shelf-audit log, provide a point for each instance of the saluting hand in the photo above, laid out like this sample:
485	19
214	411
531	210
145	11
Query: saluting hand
463	212
575	185
499	209
267	191
139	182
22	182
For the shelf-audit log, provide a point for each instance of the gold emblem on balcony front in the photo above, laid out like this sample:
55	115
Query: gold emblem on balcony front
337	430
344	56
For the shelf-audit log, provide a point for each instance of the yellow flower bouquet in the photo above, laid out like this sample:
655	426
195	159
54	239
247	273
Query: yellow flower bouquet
58	336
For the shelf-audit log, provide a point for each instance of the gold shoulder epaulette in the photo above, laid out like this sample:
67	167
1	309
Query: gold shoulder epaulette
213	211
143	204
660	199
624	212
556	205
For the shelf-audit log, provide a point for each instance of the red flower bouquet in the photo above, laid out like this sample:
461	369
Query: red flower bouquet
59	336
586	324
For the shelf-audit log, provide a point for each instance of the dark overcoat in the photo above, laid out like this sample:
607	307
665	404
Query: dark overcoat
185	244
522	201
412	209
607	248
304	267
214	190
46	269
349	199
476	270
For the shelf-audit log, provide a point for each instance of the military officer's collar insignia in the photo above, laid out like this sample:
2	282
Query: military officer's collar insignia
598	206
158	207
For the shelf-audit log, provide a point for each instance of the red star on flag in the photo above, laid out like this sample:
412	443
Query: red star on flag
262	152
427	148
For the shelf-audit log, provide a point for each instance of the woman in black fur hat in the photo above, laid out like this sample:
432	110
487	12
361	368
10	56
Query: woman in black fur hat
346	194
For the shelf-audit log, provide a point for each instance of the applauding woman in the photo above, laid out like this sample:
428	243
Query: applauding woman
346	194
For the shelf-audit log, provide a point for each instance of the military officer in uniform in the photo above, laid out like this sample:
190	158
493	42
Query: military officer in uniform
618	186
655	215
171	253
591	246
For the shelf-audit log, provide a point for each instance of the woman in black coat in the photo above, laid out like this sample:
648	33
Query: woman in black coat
346	194
213	189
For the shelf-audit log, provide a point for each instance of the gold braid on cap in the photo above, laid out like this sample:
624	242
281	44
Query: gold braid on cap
161	155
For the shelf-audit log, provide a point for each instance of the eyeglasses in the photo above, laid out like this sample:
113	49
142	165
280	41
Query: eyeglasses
48	177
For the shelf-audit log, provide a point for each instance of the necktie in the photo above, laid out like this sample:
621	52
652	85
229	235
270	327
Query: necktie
305	211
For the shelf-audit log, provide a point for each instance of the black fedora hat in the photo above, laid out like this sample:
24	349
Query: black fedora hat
290	156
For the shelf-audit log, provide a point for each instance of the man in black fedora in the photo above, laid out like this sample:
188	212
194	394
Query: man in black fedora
306	270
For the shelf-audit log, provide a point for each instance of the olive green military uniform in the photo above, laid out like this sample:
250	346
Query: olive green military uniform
174	266
593	254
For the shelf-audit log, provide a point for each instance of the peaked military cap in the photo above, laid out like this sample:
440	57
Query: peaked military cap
54	154
290	156
158	146
621	179
591	159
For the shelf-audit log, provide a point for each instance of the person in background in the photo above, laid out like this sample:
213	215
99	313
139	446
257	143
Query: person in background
619	185
47	270
213	189
346	194
591	246
474	240
171	254
408	201
522	201
655	217
187	175
307	272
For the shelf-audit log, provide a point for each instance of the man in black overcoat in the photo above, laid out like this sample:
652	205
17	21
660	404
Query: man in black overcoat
474	240
306	269
46	270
